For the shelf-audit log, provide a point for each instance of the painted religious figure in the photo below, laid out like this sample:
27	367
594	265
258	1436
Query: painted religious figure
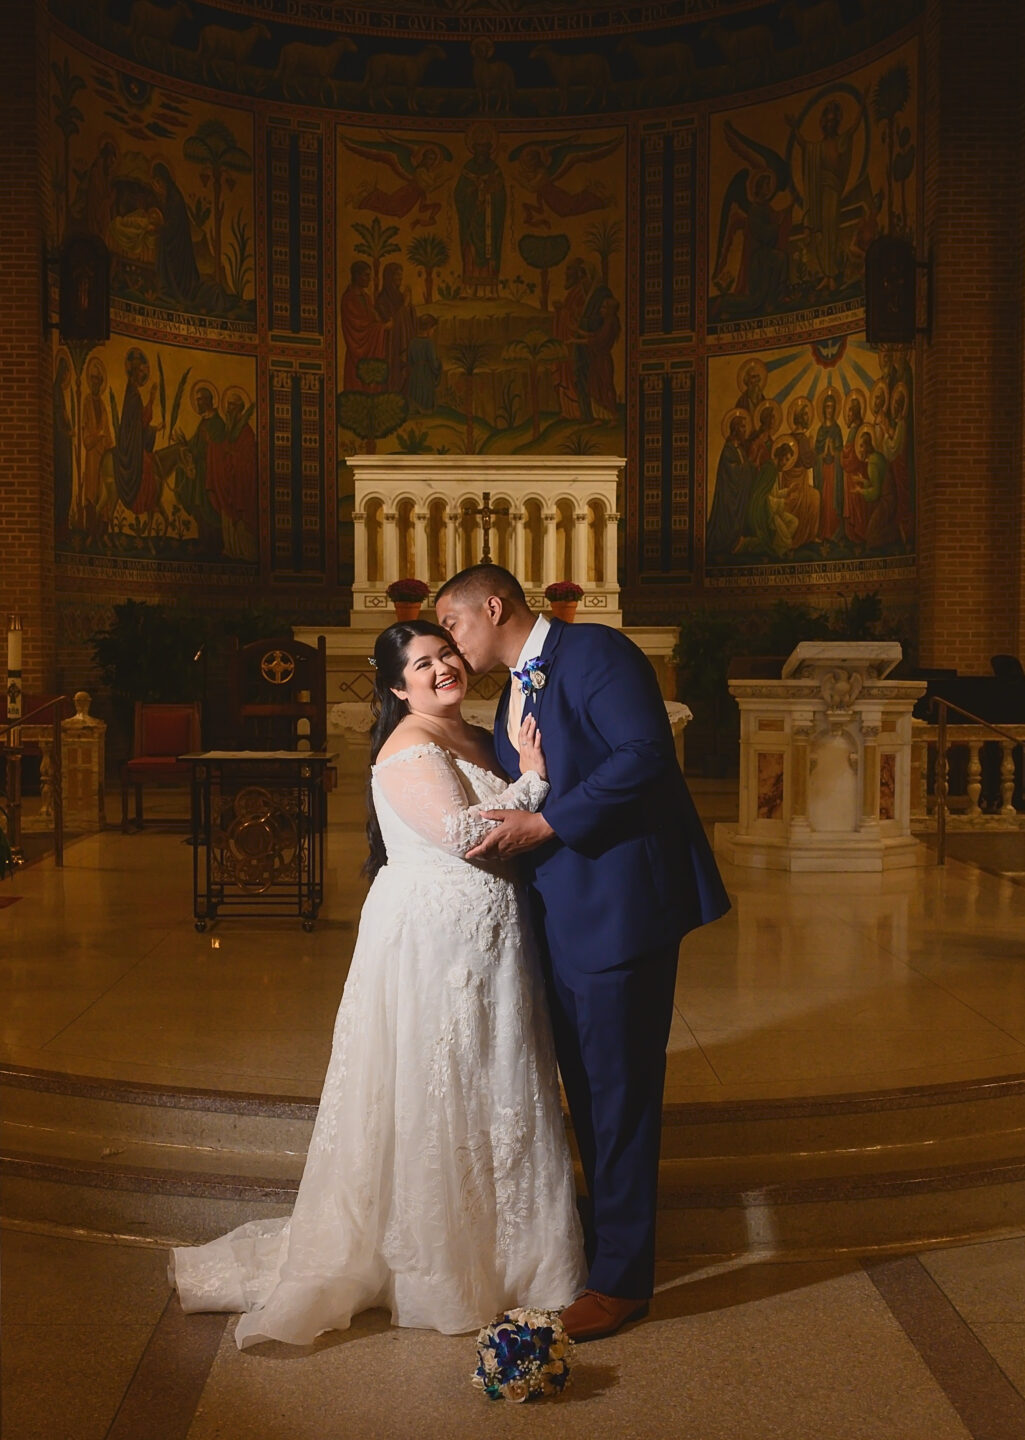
815	464
165	181
799	189
483	309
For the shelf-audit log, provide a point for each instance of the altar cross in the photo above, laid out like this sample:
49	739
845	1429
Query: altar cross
487	513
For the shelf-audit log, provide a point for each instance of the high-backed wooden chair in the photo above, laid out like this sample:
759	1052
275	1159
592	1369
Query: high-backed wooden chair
278	694
162	732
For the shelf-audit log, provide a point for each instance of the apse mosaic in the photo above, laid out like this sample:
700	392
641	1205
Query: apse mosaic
155	453
166	182
799	189
502	228
482	284
811	464
459	58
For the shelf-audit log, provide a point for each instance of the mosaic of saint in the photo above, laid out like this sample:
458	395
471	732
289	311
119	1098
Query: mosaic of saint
811	458
482	280
166	182
153	458
800	187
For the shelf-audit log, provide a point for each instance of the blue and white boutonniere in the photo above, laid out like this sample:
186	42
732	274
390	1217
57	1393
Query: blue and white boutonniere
533	676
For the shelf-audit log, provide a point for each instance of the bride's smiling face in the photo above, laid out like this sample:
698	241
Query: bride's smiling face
434	679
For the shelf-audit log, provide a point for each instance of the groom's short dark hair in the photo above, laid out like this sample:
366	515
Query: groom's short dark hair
477	582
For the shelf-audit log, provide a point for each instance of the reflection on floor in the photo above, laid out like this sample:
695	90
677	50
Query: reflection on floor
812	987
811	984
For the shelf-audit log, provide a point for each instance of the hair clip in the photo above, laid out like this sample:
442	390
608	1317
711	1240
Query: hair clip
373	662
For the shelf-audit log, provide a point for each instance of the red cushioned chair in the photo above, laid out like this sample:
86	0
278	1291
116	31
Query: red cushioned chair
161	733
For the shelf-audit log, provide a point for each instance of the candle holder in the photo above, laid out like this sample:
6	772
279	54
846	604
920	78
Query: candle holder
12	740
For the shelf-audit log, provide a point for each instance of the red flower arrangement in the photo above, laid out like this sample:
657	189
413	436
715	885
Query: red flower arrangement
409	591
563	590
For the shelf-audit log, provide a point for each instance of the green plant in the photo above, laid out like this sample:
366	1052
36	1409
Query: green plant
413	441
535	348
544	252
371	416
154	651
376	242
469	358
428	253
239	262
785	625
216	150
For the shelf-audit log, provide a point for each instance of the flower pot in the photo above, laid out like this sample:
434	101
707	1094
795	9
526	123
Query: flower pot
564	609
407	609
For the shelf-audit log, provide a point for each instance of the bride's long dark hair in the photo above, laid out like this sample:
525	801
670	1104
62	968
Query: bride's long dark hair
390	650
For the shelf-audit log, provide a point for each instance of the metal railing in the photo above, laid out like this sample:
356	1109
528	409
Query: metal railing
942	775
12	754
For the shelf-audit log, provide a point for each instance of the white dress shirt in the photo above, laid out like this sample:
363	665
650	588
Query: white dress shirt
532	647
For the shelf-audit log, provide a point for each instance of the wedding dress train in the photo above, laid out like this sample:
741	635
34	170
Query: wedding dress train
438	1181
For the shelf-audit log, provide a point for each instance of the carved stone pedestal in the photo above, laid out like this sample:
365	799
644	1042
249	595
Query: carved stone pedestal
825	763
83	743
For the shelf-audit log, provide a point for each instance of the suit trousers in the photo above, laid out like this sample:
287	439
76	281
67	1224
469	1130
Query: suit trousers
611	1031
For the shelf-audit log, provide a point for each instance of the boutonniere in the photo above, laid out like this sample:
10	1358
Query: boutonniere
533	676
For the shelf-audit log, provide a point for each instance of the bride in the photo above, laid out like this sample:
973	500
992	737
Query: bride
438	1181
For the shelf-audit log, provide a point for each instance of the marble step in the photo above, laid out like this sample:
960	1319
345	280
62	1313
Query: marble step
817	1174
862	1123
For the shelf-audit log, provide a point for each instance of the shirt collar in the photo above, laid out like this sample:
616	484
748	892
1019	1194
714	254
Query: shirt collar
534	643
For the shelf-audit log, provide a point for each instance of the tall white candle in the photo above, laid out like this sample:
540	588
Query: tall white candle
14	645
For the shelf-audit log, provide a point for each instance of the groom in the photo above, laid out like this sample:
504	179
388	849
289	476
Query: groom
619	870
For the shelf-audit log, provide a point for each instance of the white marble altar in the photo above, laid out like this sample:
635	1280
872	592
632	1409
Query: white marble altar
350	678
555	518
352	720
825	763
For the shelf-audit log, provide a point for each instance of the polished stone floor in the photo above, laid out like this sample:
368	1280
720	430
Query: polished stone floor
927	1347
811	986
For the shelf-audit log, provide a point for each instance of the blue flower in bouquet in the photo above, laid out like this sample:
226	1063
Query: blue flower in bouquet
522	1355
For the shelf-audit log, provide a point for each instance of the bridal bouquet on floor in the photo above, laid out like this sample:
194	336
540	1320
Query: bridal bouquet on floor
522	1355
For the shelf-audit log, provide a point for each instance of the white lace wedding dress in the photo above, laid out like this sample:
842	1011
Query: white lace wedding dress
438	1181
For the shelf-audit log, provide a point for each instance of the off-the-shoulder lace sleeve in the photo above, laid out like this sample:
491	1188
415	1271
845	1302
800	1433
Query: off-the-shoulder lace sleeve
426	791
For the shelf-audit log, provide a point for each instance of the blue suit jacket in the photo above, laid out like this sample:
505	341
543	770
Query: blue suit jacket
630	869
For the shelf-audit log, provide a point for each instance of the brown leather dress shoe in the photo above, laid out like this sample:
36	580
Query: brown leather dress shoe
593	1315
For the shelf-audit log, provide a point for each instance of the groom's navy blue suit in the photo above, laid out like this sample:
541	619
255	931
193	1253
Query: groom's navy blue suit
627	874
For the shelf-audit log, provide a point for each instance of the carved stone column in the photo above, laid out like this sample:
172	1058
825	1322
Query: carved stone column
390	547
919	765
421	563
516	557
451	543
611	548
578	549
361	568
870	725
802	729
549	551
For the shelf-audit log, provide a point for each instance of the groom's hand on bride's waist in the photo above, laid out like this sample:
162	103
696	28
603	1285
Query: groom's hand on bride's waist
516	831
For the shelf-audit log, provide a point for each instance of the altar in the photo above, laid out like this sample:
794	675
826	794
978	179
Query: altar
544	517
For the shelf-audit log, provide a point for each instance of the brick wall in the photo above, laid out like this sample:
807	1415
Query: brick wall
26	501
968	435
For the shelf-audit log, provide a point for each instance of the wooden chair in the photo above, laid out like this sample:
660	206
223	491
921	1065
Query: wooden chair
161	733
278	694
